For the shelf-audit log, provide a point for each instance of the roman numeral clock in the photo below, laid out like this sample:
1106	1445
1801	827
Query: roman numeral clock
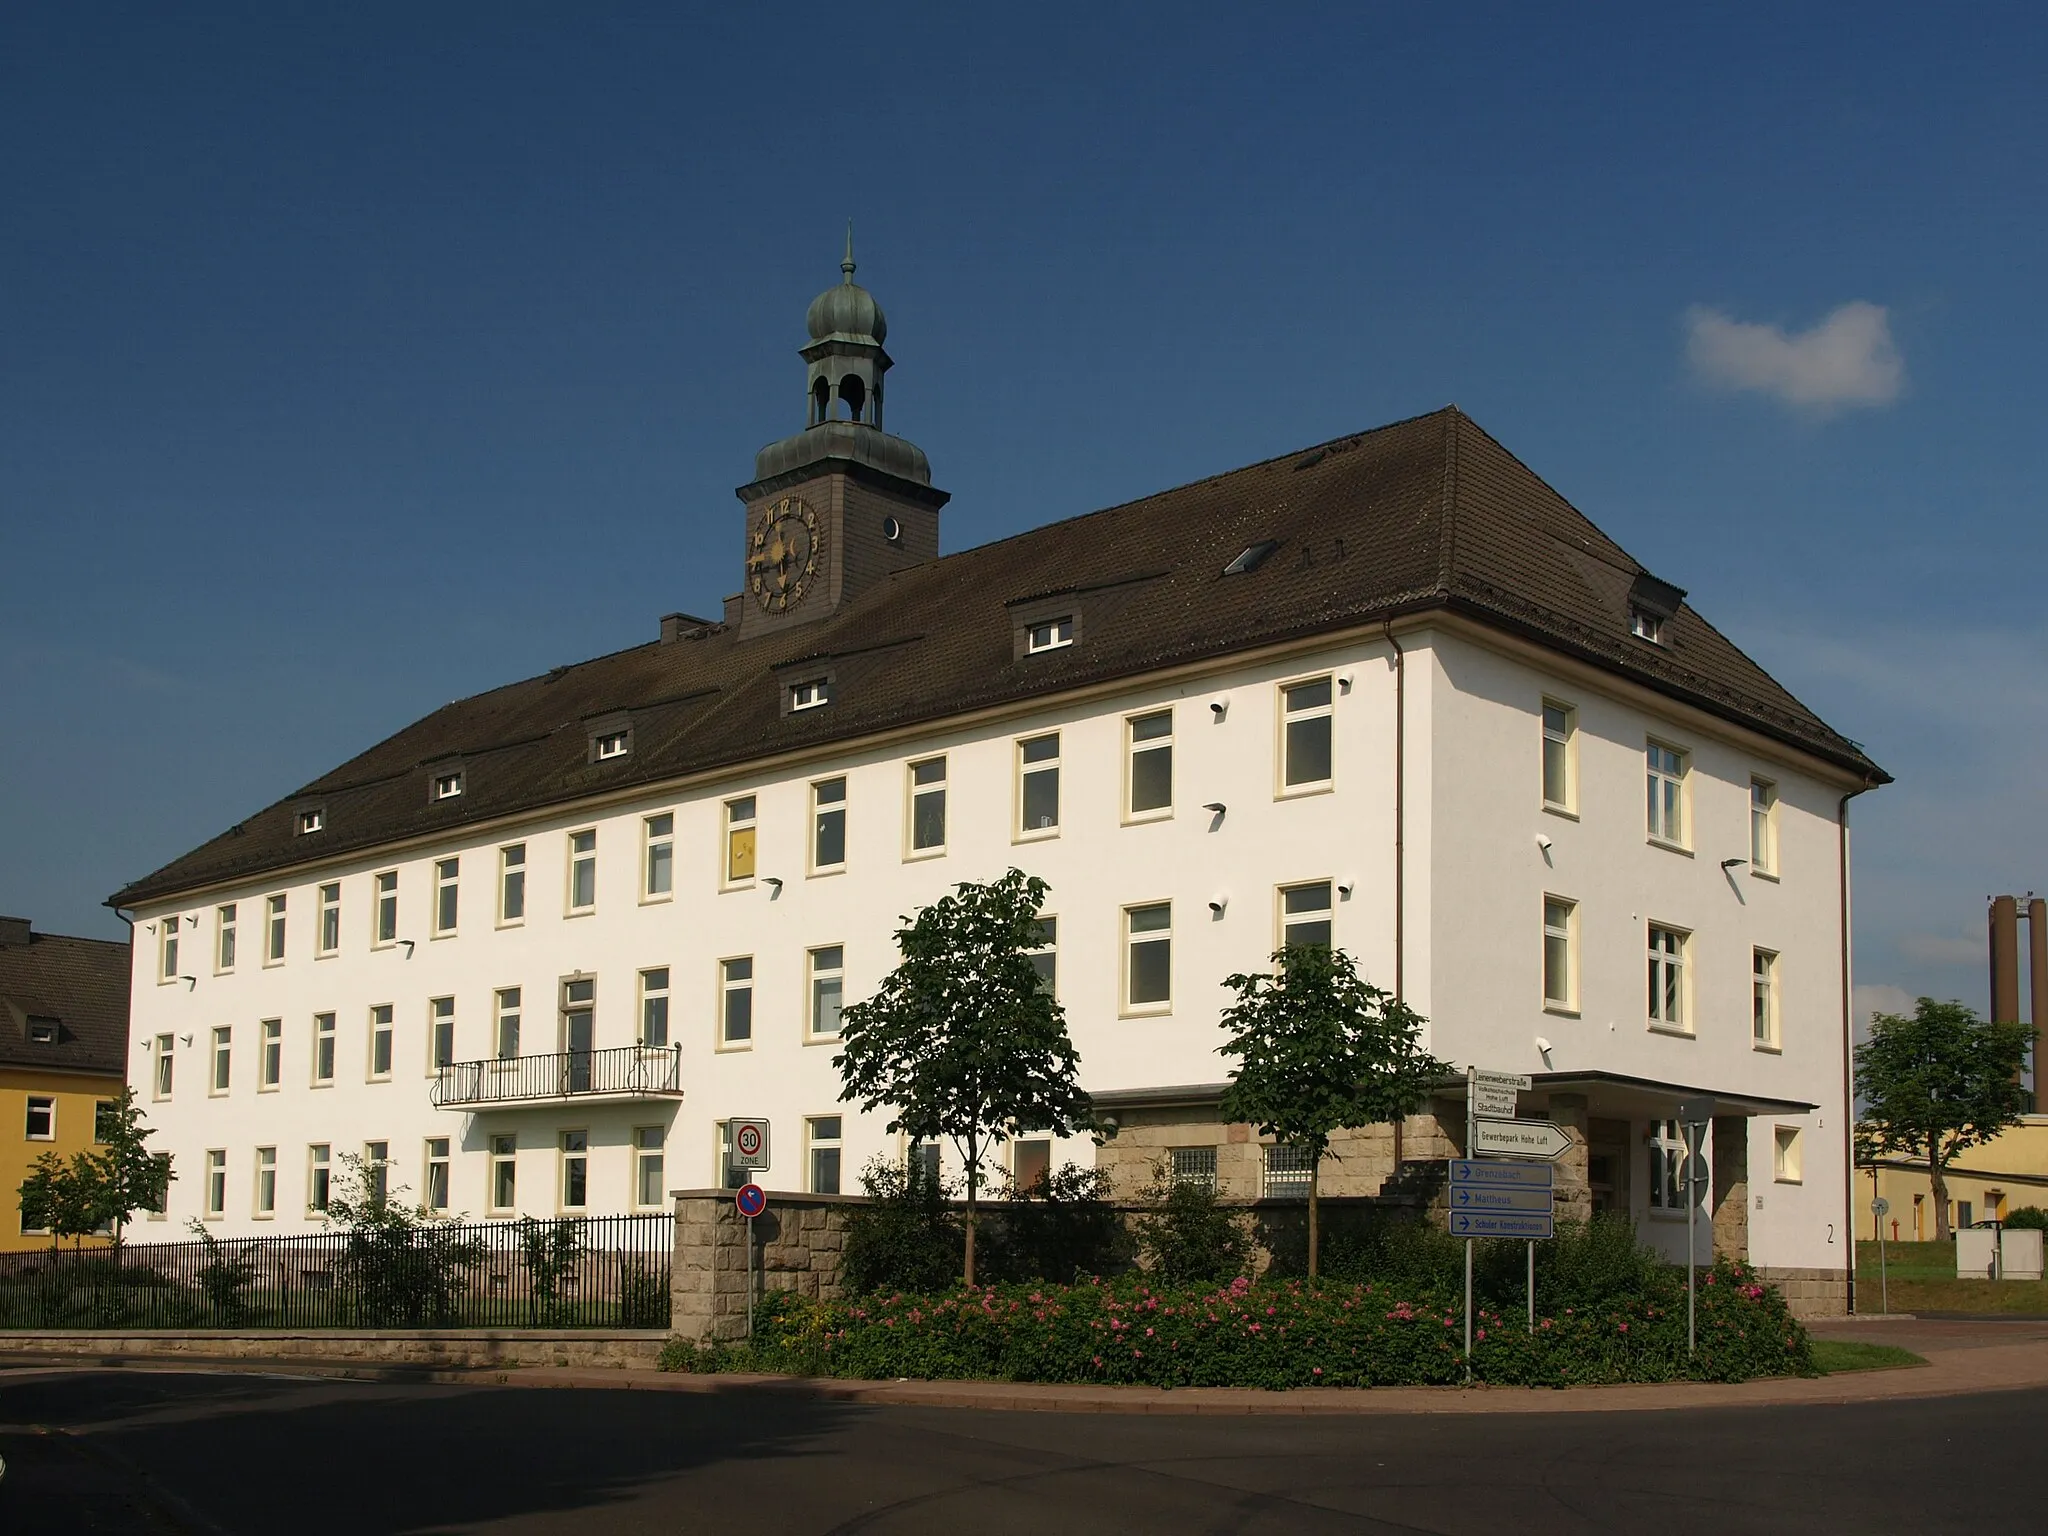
784	551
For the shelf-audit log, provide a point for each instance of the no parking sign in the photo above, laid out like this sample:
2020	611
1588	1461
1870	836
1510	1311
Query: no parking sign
751	1200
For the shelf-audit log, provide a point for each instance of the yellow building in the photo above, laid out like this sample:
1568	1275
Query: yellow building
63	1051
1986	1183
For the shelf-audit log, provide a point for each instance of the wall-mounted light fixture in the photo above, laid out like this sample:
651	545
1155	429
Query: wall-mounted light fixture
1217	903
1344	887
1344	684
1733	863
1219	708
1543	842
408	943
190	982
774	886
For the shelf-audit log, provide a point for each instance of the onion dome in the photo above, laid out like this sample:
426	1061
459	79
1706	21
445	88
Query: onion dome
848	312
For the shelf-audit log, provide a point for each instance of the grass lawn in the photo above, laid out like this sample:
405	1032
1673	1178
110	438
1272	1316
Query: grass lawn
1833	1355
1923	1279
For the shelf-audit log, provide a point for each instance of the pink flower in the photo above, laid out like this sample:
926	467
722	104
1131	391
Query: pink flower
1148	1333
1624	1327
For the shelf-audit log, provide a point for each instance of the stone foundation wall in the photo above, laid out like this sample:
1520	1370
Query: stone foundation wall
1360	1162
797	1243
401	1346
1811	1293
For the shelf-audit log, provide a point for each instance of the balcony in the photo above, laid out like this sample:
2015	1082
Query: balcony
624	1074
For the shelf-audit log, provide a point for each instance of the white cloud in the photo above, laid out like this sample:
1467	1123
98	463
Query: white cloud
1848	359
1878	997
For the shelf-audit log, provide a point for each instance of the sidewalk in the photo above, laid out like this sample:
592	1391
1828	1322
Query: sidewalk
1963	1357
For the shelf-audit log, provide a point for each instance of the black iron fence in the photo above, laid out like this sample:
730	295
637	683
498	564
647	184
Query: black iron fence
650	1070
568	1272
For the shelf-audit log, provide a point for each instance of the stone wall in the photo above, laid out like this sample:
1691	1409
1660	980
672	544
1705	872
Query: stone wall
1812	1293
450	1348
797	1245
1360	1162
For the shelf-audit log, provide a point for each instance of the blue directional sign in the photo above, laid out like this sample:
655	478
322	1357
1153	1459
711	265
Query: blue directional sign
1466	1197
1501	1175
1499	1224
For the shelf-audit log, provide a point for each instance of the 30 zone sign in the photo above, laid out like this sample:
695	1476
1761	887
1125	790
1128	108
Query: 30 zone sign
749	1143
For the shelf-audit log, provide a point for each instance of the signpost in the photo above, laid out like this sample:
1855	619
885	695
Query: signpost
750	1200
1494	1093
1502	1199
1694	1117
1520	1138
749	1144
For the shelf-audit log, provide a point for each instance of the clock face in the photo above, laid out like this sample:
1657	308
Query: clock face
782	553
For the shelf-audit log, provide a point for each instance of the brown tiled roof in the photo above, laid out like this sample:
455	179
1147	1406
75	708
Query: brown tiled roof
80	983
1428	513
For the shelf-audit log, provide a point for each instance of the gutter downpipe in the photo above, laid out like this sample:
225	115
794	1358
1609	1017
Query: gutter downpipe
1400	826
1848	1045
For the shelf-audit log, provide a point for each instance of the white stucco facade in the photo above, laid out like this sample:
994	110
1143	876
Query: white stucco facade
1476	867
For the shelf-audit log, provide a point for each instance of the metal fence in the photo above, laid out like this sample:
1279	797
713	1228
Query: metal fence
568	1272
640	1071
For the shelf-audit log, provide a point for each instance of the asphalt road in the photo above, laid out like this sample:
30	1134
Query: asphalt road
134	1451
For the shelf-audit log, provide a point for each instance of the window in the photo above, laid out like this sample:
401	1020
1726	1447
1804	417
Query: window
1045	955
269	1055
1253	557
266	1181
1030	1166
512	883
318	1172
167	949
575	1170
1050	635
440	1033
928	806
1148	939
1667	977
447	785
924	1157
323	1049
1763	999
42	1119
1038	784
437	1173
654	1007
582	870
822	1132
224	927
1667	794
828	826
312	820
1560	972
1305	916
808	695
222	1057
1286	1172
736	1000
1667	1166
1645	625
327	936
1560	736
508	1023
387	907
216	1187
614	744
739	840
735	1176
647	1175
1305	756
579	1027
658	868
1150	787
828	981
162	1082
1763	826
1193	1165
504	1173
273	949
106	1121
377	1170
380	1040
447	892
42	1031
1788	1159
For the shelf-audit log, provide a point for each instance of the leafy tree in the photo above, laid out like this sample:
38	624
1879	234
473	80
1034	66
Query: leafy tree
1320	1050
129	1176
963	1041
60	1198
404	1263
1936	1083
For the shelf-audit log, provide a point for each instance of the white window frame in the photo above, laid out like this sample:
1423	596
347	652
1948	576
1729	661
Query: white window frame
220	1061
1027	769
226	931
1287	714
326	1032
1136	747
1561	944
269	1055
312	820
383	1022
824	1133
812	693
377	1169
654	1008
502	1157
327	920
448	786
506	1022
48	1103
823	812
1285	921
650	1151
1560	742
511	884
1048	949
614	744
1049	635
214	1192
933	786
440	1021
739	815
434	1159
1763	1000
1645	625
276	907
1128	1007
1666	1147
319	1175
730	983
163	1069
1668	776
167	949
1788	1155
658	857
384	913
1763	827
1668	979
263	1196
580	858
816	972
572	1150
447	897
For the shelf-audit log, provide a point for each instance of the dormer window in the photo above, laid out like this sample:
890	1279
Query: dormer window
312	820
1645	625
42	1031
809	695
614	744
1253	557
1651	605
447	785
1050	635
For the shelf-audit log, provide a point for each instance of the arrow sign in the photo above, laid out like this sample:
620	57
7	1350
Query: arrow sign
1467	1198
1519	1138
1499	1224
1465	1170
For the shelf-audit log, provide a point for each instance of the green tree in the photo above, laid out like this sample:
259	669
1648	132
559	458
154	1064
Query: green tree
60	1198
127	1176
1935	1083
1319	1051
404	1264
963	1042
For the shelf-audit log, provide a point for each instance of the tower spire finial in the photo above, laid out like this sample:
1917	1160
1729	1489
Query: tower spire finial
846	265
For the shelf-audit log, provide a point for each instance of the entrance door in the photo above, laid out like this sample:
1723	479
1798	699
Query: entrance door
1607	1164
579	1027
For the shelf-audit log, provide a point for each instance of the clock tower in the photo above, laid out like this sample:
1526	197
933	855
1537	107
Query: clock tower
835	508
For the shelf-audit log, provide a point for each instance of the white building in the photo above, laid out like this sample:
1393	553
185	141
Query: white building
536	949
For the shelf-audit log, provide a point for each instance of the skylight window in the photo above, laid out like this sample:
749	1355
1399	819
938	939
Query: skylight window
313	820
614	744
447	786
1252	558
809	695
1050	635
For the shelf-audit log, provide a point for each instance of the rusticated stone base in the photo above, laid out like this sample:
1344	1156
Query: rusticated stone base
1811	1293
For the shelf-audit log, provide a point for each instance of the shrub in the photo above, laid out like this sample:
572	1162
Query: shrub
2028	1216
1189	1235
907	1239
1065	1230
227	1272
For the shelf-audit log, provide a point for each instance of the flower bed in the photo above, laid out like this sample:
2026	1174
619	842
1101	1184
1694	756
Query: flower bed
1274	1335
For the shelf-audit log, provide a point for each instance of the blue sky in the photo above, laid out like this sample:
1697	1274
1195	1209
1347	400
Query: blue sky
356	359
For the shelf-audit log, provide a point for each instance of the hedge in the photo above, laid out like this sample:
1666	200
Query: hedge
1292	1333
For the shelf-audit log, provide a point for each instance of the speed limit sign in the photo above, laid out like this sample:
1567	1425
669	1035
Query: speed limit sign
749	1143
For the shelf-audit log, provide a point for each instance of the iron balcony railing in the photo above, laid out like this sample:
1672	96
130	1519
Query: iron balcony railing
623	1072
